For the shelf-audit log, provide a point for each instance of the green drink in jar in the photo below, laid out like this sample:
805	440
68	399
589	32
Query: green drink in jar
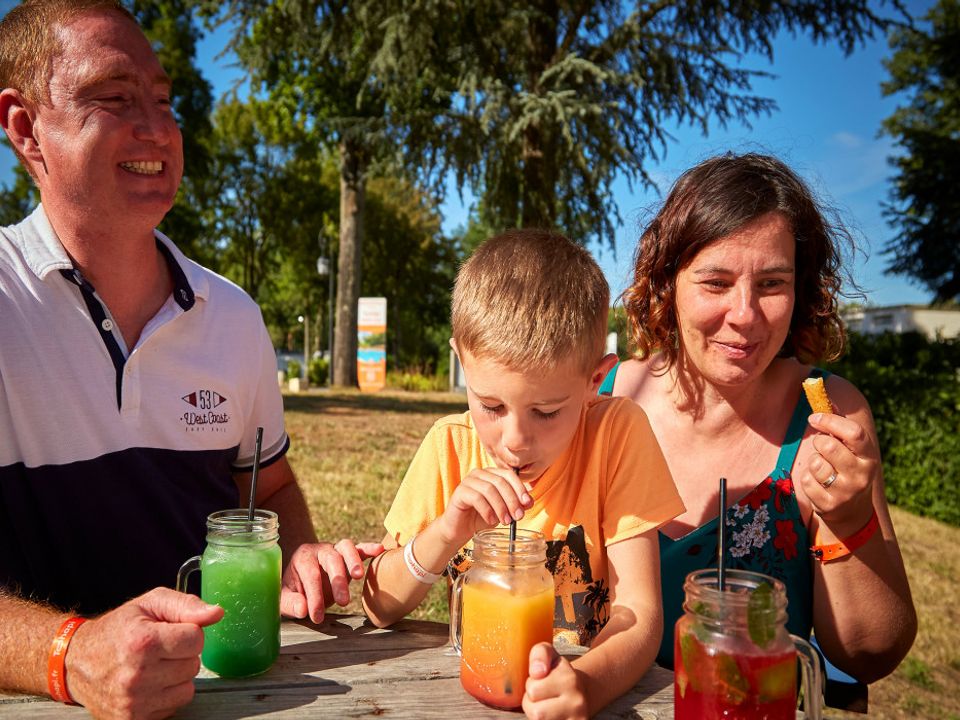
240	571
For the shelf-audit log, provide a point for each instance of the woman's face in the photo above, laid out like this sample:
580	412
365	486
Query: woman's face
734	301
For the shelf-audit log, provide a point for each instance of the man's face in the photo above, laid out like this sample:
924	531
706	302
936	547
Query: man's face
110	144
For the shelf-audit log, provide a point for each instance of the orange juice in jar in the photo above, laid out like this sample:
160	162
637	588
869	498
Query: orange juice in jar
500	608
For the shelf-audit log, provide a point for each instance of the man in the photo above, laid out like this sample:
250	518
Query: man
131	382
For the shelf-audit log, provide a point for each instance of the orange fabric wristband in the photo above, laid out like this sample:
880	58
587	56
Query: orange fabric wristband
56	663
835	551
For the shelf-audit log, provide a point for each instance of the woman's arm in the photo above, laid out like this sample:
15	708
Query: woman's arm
864	616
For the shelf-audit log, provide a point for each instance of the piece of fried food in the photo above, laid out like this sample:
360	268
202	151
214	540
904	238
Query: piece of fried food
817	395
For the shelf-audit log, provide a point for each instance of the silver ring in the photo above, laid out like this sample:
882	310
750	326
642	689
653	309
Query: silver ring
829	481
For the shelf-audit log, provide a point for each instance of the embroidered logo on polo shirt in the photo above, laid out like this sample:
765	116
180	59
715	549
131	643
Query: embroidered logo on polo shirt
204	417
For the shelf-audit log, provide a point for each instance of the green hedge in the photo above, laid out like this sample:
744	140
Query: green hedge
417	382
317	371
913	386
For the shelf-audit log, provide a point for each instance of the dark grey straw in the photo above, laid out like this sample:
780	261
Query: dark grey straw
256	470
721	536
513	523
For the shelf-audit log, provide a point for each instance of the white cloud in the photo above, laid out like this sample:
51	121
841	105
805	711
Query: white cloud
847	140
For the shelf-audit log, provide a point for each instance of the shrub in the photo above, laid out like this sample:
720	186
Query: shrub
293	369
913	387
318	370
417	382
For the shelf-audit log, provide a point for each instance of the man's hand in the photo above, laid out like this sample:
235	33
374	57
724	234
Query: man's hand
319	574
139	660
554	689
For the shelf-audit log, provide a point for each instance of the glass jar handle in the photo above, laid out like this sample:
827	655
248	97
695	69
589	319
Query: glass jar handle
456	613
184	572
812	679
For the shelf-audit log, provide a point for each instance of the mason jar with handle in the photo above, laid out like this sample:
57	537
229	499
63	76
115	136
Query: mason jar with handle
733	656
499	609
240	571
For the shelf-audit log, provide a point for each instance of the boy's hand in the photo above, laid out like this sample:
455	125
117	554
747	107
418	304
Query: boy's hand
554	689
483	499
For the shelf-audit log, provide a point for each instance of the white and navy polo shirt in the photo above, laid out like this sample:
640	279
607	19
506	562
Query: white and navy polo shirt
111	457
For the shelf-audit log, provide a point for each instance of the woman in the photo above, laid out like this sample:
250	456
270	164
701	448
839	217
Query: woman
734	296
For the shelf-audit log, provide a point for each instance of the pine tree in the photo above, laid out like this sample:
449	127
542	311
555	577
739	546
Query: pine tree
925	204
545	102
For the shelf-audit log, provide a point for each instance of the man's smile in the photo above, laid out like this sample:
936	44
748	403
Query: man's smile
143	167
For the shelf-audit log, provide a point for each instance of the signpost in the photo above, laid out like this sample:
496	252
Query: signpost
372	343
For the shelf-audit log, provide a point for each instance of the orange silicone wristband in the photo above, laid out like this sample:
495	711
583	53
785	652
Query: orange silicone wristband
826	553
56	663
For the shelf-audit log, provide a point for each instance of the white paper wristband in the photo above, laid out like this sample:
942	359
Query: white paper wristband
416	569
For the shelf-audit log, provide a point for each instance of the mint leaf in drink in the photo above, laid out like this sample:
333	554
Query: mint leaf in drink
692	657
731	685
761	616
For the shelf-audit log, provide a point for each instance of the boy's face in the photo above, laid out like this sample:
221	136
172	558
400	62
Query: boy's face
527	419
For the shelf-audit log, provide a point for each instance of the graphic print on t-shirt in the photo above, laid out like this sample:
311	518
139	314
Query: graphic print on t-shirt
582	603
206	414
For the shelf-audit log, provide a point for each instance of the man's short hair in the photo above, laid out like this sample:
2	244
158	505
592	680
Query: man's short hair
529	300
29	42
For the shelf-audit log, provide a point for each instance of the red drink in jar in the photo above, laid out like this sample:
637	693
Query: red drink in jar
733	656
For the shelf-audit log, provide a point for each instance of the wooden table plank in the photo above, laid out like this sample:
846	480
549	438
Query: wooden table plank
346	668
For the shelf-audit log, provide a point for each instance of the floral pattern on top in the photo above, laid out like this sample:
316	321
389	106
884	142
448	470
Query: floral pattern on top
764	535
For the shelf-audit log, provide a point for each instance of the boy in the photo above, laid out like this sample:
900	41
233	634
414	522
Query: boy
538	446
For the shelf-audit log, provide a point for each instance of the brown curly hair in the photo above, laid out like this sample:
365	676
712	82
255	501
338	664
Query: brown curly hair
713	200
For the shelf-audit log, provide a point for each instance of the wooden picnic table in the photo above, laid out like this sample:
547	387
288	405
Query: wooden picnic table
347	668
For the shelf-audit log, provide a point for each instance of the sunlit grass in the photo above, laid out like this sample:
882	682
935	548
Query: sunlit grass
350	452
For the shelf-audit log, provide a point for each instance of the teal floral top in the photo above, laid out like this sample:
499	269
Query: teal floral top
765	534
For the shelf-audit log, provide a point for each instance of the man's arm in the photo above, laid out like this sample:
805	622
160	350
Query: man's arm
315	574
138	660
26	631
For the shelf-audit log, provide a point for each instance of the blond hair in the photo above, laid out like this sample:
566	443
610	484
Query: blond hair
529	300
29	42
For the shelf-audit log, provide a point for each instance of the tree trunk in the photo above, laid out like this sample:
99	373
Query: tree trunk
538	199
352	195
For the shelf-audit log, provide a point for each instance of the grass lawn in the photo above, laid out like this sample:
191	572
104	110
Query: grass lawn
350	452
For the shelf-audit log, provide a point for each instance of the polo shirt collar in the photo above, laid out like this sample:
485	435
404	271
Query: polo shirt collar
41	248
44	253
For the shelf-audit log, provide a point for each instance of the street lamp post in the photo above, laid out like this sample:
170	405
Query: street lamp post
324	268
305	319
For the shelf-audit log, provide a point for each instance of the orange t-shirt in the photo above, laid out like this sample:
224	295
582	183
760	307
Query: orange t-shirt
611	484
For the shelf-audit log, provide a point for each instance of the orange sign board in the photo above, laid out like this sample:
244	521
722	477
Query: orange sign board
372	343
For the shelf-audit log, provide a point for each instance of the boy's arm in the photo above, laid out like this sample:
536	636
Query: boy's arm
389	590
481	500
620	654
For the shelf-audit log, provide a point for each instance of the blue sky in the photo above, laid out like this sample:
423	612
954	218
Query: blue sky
826	127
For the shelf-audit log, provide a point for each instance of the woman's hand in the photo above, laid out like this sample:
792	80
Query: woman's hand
840	474
484	498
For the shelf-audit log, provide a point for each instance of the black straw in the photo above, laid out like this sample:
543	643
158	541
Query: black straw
721	536
256	469
513	523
